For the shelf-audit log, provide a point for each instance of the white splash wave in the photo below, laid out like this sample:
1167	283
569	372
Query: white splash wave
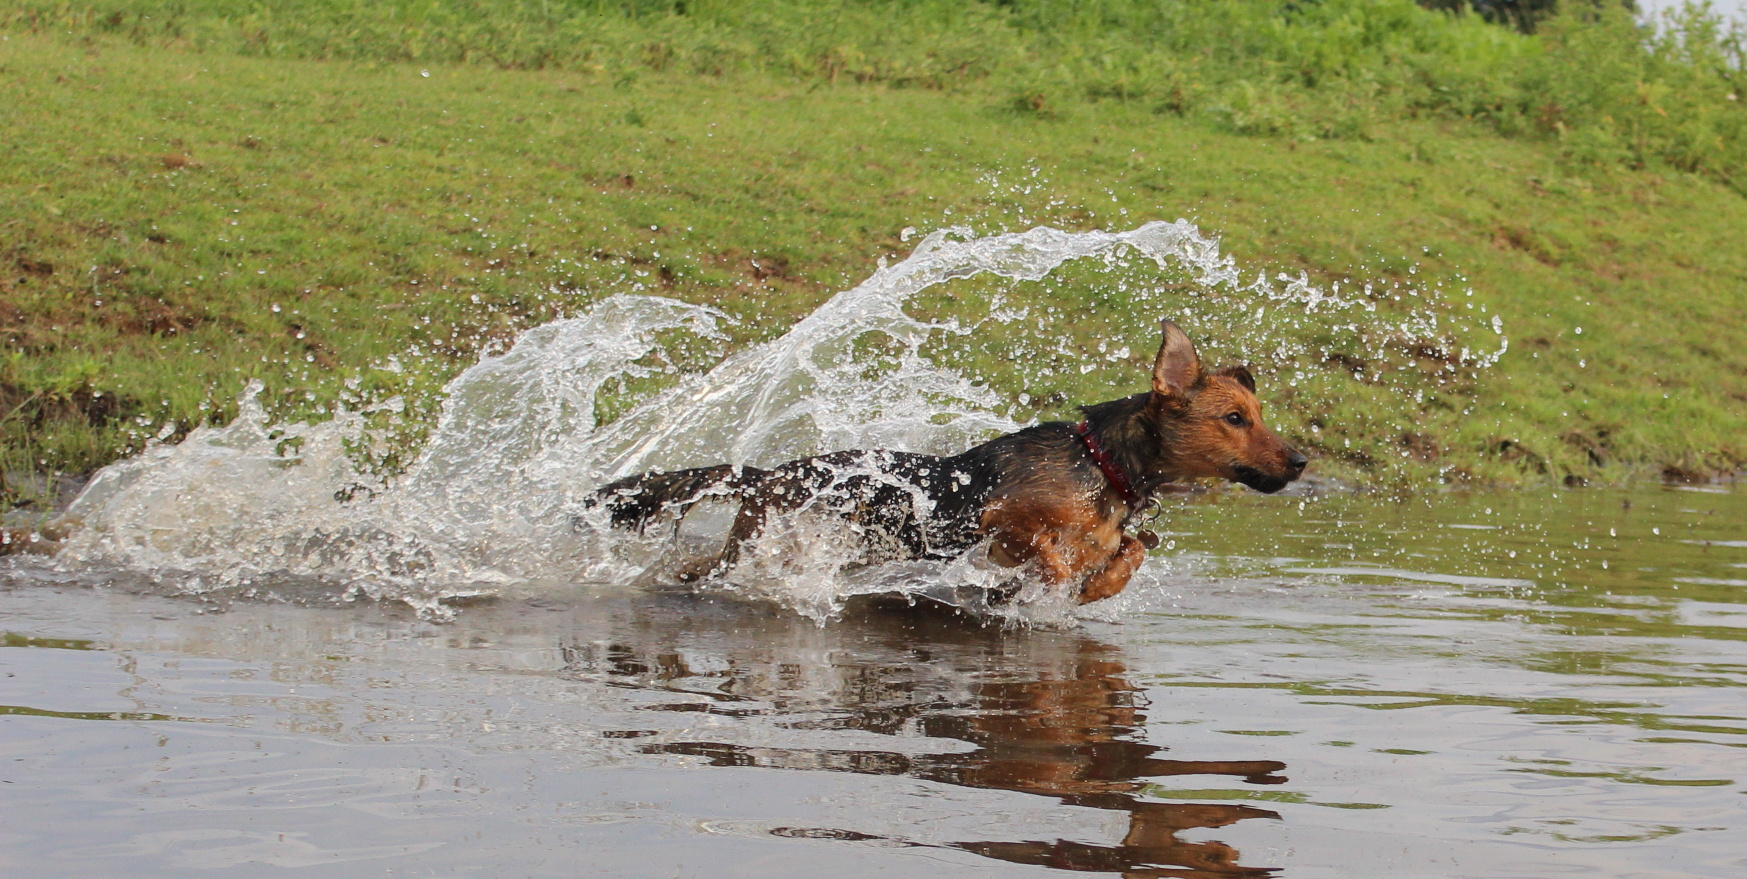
488	506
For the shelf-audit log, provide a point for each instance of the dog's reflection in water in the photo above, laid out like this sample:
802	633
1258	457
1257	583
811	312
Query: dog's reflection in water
1051	714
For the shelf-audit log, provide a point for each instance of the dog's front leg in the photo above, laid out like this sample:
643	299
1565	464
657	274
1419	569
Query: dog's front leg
1042	549
1114	576
748	524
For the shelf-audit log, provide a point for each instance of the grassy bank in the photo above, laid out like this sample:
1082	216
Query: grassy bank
177	217
1607	90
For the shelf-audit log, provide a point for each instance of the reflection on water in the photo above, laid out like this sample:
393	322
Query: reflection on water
913	698
1521	685
1056	719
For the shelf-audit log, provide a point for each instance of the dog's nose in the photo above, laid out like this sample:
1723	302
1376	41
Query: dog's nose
1295	462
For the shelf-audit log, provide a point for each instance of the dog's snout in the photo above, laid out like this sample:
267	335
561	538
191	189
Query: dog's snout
1295	462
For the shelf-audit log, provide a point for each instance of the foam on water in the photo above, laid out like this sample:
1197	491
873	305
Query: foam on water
491	504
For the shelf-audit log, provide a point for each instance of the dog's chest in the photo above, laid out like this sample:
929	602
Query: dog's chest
1105	534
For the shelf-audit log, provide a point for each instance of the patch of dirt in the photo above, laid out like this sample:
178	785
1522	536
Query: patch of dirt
34	408
1684	475
1516	453
1592	444
142	316
1525	241
1421	447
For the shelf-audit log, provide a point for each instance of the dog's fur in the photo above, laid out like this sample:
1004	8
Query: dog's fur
1037	495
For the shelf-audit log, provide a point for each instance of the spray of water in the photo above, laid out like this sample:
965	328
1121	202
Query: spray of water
493	503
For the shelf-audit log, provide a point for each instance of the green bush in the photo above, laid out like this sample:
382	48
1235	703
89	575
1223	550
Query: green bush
1614	92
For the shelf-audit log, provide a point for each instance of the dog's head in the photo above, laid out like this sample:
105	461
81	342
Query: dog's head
1212	421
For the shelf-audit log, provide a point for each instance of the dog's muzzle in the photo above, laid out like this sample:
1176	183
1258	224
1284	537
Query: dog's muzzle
1268	483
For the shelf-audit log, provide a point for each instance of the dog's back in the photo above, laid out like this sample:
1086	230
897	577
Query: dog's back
634	502
902	504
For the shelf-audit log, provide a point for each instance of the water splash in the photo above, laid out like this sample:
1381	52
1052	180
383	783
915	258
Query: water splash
490	505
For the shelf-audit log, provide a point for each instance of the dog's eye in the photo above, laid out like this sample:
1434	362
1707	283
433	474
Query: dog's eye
1235	419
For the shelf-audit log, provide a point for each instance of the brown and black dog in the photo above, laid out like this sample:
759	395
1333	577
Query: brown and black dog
1056	496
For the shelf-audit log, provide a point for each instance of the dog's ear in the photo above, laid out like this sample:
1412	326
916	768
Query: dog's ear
1240	374
1178	367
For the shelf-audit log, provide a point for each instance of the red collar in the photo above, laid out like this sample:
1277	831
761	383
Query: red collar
1112	470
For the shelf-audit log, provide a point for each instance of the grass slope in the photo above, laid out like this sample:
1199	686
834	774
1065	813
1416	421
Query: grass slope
173	224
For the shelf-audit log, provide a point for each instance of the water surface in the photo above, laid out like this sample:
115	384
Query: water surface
1531	684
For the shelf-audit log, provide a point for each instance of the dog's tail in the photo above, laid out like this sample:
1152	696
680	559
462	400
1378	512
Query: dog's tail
635	501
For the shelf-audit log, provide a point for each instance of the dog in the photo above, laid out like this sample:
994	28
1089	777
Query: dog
1057	496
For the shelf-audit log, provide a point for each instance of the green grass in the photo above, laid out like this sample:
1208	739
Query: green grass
1606	89
175	220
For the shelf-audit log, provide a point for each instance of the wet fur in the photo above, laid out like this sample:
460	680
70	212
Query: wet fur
1036	494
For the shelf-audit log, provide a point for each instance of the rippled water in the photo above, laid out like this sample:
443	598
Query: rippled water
1532	684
